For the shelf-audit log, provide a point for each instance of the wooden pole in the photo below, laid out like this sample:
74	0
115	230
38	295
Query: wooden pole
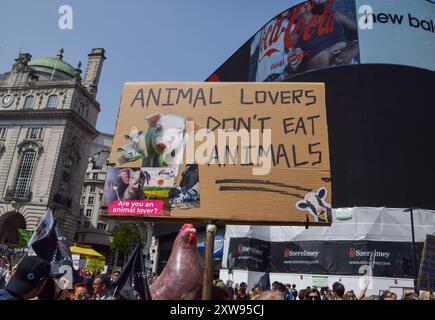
208	262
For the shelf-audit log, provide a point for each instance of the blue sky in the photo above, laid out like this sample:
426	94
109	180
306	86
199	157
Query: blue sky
159	40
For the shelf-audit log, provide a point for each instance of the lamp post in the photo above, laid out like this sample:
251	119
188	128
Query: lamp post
414	255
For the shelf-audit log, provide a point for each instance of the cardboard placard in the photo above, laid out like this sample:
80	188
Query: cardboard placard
426	276
296	189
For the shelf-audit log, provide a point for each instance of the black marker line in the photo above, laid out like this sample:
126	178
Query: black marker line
226	188
278	184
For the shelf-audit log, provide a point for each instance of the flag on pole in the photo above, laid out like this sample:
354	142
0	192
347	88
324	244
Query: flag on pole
264	282
43	242
132	283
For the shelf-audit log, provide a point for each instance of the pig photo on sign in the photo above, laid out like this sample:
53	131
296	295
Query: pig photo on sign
315	204
165	140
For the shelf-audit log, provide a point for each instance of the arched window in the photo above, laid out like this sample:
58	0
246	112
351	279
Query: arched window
28	103
22	184
52	101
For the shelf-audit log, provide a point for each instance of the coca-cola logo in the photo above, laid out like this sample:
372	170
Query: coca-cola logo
298	26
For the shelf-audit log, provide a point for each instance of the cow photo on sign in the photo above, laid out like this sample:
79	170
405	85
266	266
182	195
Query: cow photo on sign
259	152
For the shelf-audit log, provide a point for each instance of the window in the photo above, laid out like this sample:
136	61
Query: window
86	224
52	101
68	163
66	176
81	211
79	224
82	108
2	133
102	226
25	170
34	133
73	140
91	200
89	213
95	176
28	103
93	188
82	201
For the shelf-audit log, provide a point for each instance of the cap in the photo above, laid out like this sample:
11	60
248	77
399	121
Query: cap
30	270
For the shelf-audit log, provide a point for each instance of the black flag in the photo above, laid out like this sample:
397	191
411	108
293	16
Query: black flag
132	283
264	282
44	239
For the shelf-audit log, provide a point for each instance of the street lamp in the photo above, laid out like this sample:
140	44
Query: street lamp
414	256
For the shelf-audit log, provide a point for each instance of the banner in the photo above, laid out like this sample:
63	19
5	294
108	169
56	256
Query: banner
249	254
391	259
397	32
426	276
24	237
258	152
95	265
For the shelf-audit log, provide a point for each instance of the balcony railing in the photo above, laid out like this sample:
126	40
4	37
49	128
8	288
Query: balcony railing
16	194
59	199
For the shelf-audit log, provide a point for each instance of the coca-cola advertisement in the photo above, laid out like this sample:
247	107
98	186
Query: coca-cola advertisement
310	36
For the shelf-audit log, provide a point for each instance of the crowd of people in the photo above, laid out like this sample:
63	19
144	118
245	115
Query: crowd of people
31	279
280	291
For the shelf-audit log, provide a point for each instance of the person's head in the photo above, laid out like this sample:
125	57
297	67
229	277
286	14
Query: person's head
115	276
2	262
29	277
80	291
287	286
301	294
411	296
323	291
338	290
221	284
216	293
387	295
270	295
229	283
293	286
280	289
242	287
101	285
350	295
256	292
52	291
312	294
372	297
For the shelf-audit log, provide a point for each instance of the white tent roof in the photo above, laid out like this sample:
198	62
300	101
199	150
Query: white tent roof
376	224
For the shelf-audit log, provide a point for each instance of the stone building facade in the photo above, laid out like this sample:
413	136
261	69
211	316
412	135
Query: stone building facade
92	229
48	115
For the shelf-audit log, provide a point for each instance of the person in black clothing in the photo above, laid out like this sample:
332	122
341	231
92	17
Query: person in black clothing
28	280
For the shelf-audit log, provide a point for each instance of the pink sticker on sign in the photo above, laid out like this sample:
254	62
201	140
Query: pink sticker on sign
137	207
